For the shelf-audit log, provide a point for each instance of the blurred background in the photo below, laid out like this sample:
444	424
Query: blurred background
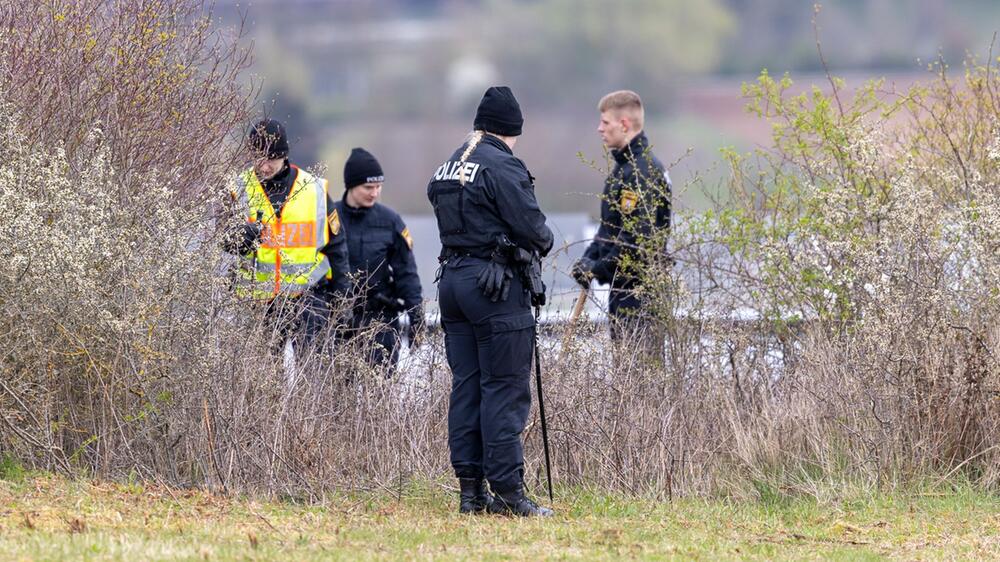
403	77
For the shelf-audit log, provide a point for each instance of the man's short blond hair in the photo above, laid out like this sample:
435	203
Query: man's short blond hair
624	101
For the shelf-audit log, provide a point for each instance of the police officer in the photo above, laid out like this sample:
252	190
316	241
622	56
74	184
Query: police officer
381	255
287	234
635	203
485	205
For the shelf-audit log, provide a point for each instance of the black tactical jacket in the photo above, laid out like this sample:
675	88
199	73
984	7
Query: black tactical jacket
381	257
498	198
635	202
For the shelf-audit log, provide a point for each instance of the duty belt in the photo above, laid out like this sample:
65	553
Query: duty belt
454	252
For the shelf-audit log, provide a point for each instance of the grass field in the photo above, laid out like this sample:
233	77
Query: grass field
50	518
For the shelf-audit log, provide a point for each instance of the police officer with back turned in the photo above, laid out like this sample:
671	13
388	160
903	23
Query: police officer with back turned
490	225
381	256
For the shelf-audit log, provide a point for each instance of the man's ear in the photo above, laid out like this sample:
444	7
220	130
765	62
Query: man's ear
627	123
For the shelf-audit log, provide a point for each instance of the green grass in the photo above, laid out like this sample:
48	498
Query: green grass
11	470
46	518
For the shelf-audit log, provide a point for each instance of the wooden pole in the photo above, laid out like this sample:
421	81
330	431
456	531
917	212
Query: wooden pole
581	302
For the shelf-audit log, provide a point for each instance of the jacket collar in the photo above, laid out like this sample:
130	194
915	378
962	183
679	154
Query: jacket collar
637	147
494	141
282	181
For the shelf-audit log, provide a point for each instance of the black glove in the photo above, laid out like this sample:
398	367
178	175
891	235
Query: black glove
389	304
495	280
243	240
415	330
583	271
250	234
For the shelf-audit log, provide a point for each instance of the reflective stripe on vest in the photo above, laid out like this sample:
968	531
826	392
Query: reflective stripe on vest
288	260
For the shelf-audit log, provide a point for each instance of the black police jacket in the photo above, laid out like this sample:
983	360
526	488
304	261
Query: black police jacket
381	256
498	198
635	203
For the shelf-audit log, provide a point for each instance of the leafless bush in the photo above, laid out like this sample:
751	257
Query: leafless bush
161	84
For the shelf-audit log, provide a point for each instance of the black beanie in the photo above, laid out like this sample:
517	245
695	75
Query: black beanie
268	137
499	113
361	167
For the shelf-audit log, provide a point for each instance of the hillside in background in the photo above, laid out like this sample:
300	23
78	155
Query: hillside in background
402	77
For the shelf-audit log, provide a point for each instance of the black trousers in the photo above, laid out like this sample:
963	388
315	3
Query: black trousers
489	347
623	305
383	341
633	326
303	319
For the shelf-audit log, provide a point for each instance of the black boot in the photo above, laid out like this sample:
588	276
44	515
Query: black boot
475	498
516	503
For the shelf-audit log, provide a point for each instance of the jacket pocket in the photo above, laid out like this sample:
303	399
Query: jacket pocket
449	208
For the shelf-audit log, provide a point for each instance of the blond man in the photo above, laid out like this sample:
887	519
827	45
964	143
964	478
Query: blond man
635	203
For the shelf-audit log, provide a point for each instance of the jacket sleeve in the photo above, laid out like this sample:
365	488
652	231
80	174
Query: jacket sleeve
514	194
603	249
664	208
603	252
404	266
606	264
233	219
603	241
596	248
336	253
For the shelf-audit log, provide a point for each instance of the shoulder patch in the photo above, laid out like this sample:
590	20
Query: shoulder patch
628	201
333	219
407	237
